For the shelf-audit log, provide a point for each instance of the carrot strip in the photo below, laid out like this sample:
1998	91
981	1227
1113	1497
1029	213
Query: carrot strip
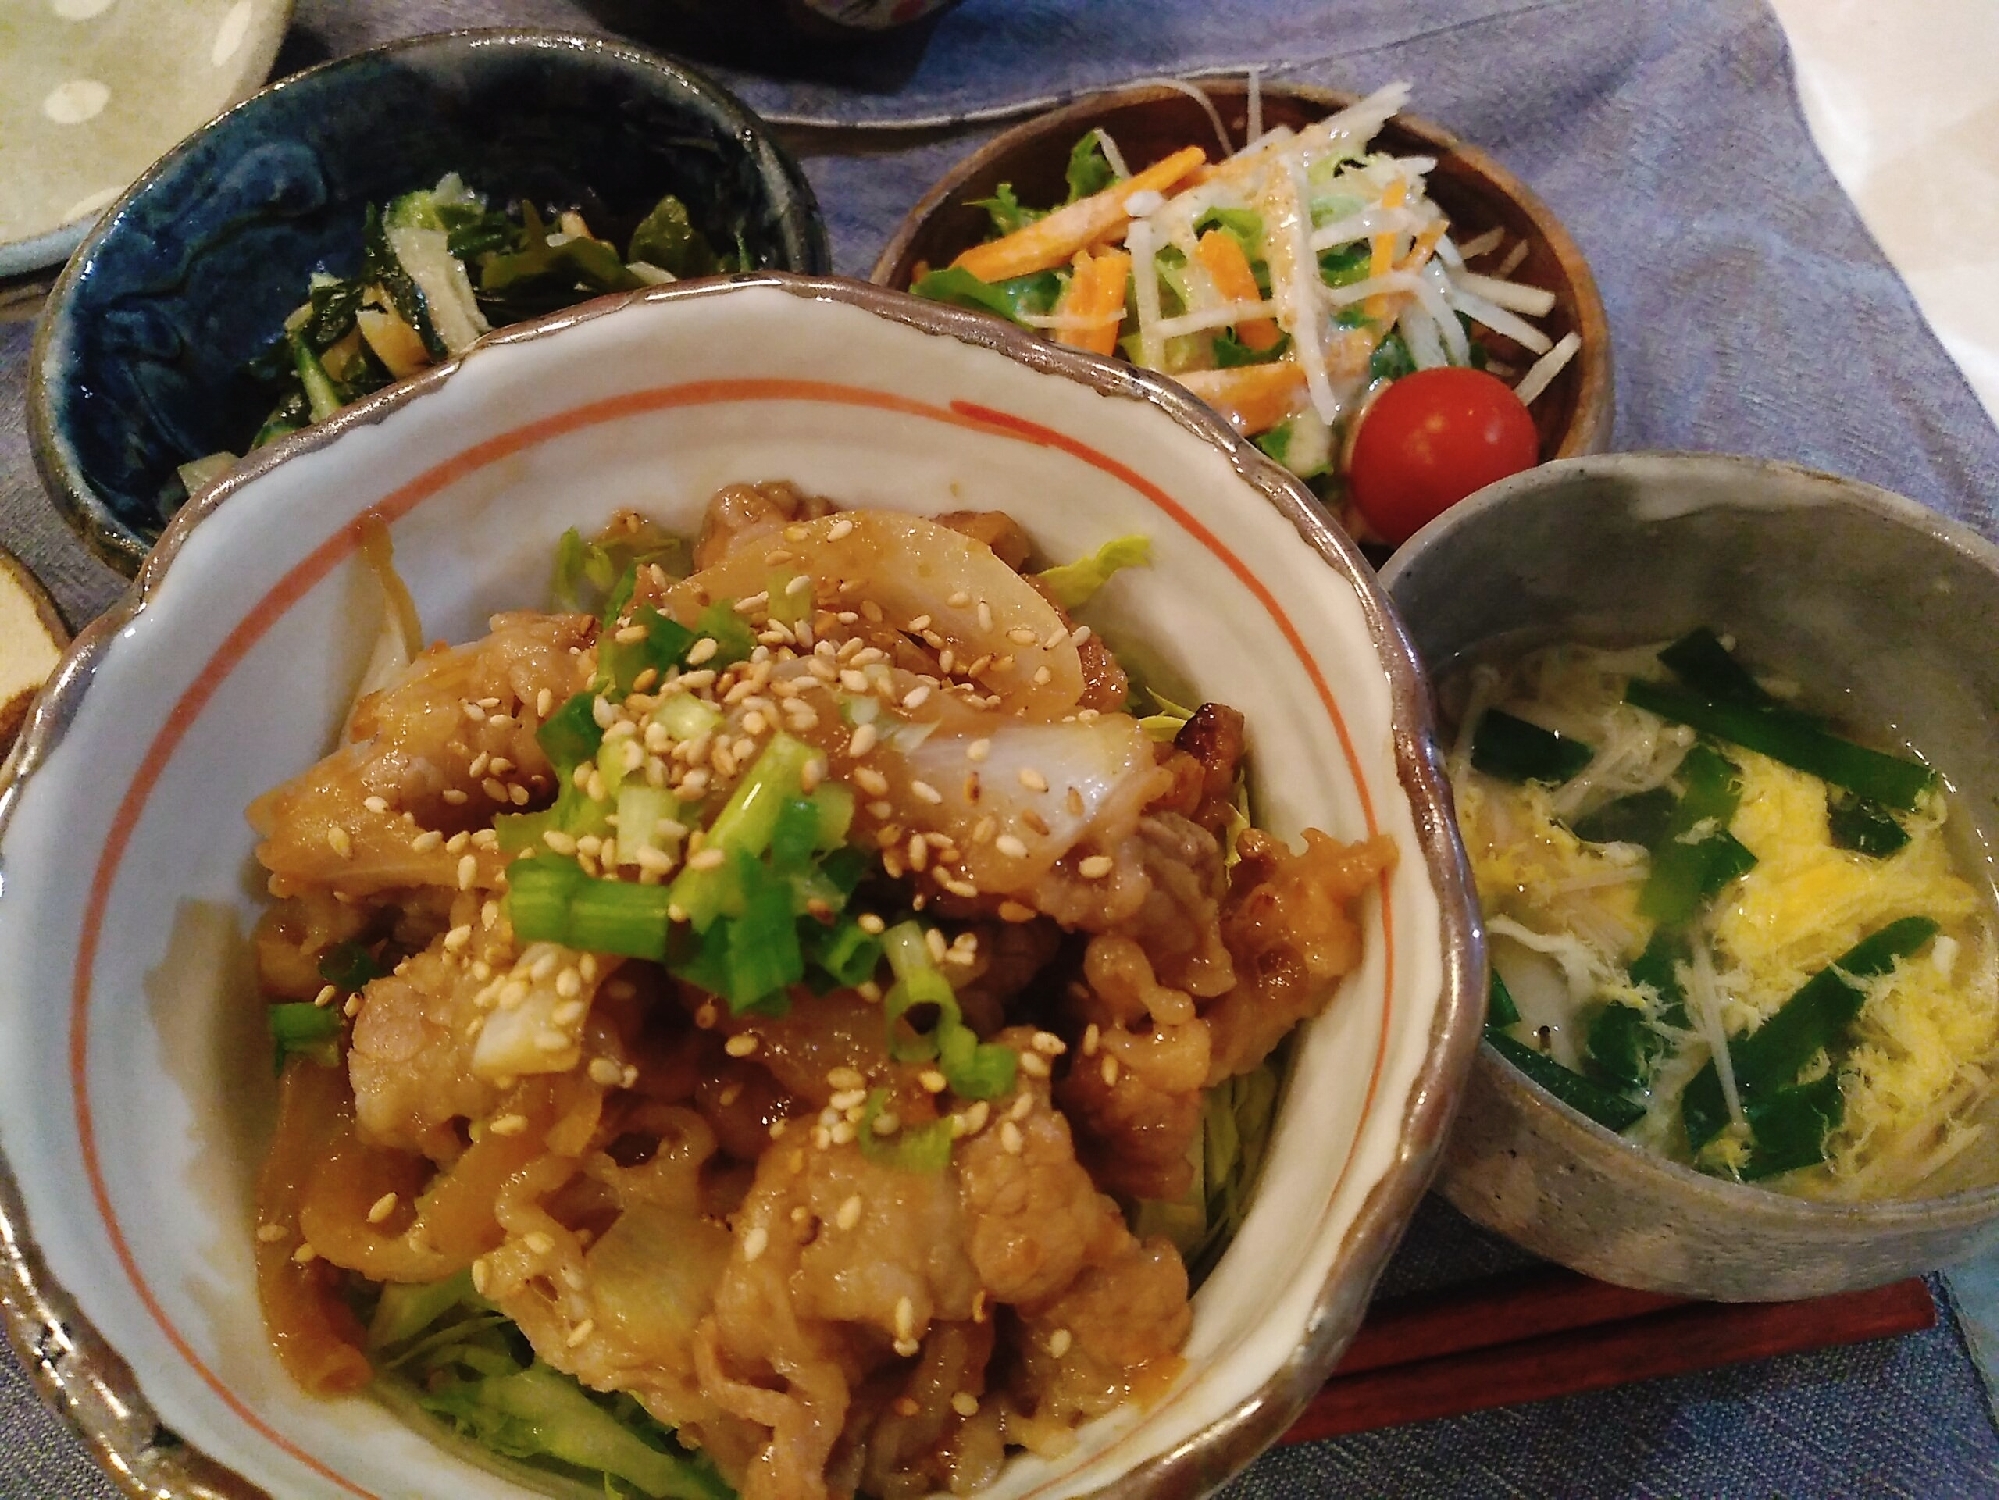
1229	267
1255	398
1381	259
1096	292
1049	242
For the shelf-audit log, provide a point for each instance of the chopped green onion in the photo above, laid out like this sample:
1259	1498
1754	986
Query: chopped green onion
1641	818
304	1030
349	966
1815	1019
926	1148
1512	749
665	644
1790	1127
764	957
1624	1046
925	986
1610	1110
744	825
571	734
539	888
1697	856
687	717
641	809
518	831
731	633
1864	826
974	1069
1699	659
844	951
1657	969
615	916
1499	1007
1796	739
796	833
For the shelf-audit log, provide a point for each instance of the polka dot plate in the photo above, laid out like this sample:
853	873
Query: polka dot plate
91	91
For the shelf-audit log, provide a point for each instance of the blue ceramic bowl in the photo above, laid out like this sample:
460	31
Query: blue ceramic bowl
138	364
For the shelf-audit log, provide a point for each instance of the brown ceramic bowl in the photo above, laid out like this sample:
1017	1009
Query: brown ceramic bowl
1870	600
1151	121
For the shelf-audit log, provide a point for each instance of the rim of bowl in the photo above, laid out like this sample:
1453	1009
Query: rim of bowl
97	1393
1966	1206
120	548
1589	428
52	245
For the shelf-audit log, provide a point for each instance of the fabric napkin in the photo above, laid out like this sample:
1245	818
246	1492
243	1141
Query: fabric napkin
1750	312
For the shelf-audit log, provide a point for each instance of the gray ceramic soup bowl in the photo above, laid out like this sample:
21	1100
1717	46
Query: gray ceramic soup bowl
1885	611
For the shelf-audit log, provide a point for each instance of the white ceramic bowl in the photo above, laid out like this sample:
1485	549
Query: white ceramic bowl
133	1099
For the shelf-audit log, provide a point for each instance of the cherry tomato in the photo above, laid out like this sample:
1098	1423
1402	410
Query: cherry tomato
1432	438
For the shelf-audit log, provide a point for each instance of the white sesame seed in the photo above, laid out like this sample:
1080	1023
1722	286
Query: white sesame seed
742	1044
844	1078
965	1404
839	530
933	1081
871	924
538	1242
886	1123
905	1318
702	650
426	841
842	1133
847	1099
1048	1044
915	697
706	859
468	871
1033	780
305	1255
338	840
581	1333
1023	1106
923	791
1096	867
375	805
606	1072
543	702
1034	1065
270	1234
507	1125
1011	1140
1059	1342
755	1242
481	1274
1109	1071
850	1212
907	1349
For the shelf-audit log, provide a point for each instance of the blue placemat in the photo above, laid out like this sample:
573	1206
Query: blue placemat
1751	313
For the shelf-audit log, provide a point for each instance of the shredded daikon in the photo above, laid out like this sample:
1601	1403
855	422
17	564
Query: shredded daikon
1139	242
1535	301
1542	372
1112	155
1480	244
1499	320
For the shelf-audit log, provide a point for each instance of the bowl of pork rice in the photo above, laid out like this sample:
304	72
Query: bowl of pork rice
1192	1247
